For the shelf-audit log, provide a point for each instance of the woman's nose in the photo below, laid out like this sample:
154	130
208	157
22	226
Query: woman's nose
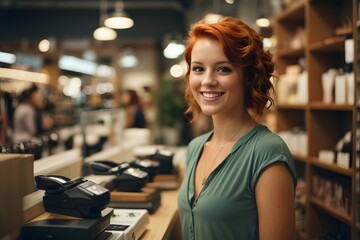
209	79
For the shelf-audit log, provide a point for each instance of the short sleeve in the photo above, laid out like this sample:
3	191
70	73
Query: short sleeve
270	150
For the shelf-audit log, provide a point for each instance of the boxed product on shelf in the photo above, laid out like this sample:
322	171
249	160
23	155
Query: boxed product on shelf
332	192
296	141
292	86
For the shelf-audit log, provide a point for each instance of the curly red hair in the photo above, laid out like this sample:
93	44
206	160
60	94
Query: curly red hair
244	48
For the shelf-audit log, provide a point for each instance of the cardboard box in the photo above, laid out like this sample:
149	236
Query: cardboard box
16	181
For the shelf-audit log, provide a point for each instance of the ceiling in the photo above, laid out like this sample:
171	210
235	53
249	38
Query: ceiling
32	20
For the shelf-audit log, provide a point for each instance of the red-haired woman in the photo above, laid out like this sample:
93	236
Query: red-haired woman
240	177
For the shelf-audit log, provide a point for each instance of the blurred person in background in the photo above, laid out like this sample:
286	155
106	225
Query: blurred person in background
28	118
134	113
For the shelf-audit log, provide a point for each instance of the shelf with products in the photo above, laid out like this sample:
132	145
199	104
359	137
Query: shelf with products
326	128
332	167
324	74
291	128
331	44
295	11
325	224
291	52
328	77
291	106
328	18
288	118
332	211
320	105
291	25
331	192
300	158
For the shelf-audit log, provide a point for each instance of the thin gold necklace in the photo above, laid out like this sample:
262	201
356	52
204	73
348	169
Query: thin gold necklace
204	179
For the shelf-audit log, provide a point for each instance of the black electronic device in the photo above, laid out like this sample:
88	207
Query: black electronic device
165	158
79	197
106	167
128	179
131	180
59	229
147	165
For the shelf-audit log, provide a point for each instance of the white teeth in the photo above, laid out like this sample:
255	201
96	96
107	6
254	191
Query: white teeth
211	95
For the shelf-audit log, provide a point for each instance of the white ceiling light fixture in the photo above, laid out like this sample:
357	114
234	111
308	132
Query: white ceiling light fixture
9	58
103	33
128	59
119	19
214	15
264	11
176	71
16	74
44	45
173	45
173	50
212	18
47	45
263	22
267	43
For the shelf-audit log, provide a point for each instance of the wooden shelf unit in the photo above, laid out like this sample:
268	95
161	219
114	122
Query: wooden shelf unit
325	124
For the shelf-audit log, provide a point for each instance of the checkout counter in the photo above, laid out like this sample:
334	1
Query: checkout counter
163	223
24	205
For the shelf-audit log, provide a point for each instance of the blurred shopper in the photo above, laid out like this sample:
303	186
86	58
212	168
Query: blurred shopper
134	113
28	118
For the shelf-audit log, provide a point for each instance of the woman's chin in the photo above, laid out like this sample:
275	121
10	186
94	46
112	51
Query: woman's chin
209	111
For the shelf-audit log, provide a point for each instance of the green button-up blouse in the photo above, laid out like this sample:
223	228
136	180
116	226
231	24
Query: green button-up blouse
226	206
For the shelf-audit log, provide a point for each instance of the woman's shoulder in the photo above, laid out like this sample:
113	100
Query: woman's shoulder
270	148
268	139
267	144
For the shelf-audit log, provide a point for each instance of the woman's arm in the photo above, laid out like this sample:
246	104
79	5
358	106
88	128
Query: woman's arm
275	203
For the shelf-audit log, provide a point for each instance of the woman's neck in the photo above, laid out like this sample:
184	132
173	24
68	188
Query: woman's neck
231	129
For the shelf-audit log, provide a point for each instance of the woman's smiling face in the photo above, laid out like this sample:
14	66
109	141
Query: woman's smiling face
216	84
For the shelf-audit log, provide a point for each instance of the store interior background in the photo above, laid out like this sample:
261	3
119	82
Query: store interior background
67	28
307	37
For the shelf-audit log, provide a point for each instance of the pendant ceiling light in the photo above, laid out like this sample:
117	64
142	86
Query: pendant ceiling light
173	45
128	59
214	15
103	33
119	19
265	10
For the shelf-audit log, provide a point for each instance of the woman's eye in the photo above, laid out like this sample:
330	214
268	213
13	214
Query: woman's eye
224	69
197	69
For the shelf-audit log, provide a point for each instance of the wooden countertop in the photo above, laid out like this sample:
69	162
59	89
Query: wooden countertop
164	222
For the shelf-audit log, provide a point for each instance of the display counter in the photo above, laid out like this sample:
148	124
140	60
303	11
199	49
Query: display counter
164	223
